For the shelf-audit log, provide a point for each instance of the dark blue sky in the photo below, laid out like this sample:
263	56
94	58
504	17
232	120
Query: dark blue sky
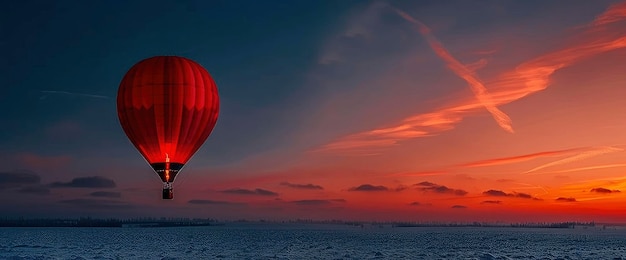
258	53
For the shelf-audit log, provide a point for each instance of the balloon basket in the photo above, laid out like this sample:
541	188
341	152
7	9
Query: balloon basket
168	194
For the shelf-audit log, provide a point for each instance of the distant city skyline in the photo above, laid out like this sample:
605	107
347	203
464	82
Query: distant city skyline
358	110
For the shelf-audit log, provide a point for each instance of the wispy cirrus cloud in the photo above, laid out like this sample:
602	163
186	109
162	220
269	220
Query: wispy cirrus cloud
616	13
580	153
420	173
594	167
580	156
577	154
360	26
519	158
527	78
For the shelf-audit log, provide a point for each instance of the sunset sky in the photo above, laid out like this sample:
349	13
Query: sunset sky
365	110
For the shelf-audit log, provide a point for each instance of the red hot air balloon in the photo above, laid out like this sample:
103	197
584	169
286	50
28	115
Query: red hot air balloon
167	106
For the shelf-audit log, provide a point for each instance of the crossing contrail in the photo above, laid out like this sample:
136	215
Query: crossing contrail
463	72
73	94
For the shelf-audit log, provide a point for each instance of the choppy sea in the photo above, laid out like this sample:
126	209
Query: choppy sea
311	241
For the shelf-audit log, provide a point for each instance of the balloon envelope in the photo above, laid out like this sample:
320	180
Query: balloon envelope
167	106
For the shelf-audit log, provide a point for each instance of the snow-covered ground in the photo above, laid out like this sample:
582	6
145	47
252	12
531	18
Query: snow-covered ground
310	241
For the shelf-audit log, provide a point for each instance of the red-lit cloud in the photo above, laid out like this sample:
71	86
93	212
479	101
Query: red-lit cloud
566	199
441	189
369	188
499	193
308	186
604	190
